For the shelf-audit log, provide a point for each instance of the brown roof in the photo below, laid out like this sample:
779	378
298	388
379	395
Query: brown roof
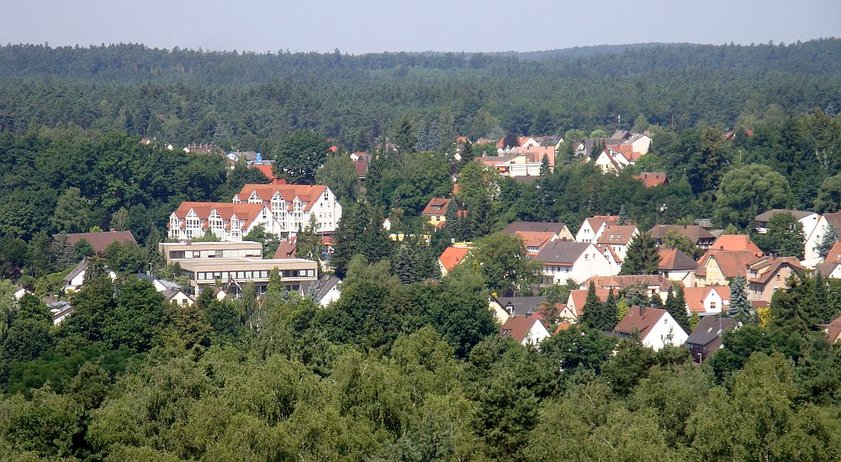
695	296
639	319
534	238
597	220
834	219
736	242
100	241
652	179
765	217
617	234
776	263
674	259
731	262
517	327
452	256
287	248
245	212
694	233
626	280
579	299
436	206
834	254
833	330
537	226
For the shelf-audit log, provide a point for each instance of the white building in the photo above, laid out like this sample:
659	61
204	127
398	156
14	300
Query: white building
226	221
293	206
593	227
814	228
655	328
563	260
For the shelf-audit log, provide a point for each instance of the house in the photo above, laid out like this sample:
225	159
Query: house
505	307
324	291
814	228
518	165
655	284
654	327
578	261
696	234
593	227
717	267
287	248
76	277
831	266
234	272
833	330
609	162
550	140
174	252
59	310
653	179
226	221
98	241
535	241
560	230
766	275
436	210
616	238
708	300
574	308
451	257
292	207
525	330
708	336
178	297
677	266
736	242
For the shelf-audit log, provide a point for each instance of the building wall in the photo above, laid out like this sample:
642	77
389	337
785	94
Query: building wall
665	326
590	263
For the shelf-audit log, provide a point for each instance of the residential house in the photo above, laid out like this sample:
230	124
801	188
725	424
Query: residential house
550	141
174	252
99	241
535	241
574	308
616	238
563	260
293	206
59	310
324	291
593	227
696	234
831	266
560	230
653	179
717	267
226	221
708	336
451	257
76	277
766	275
525	330
178	297
736	242
655	284
505	307
814	228
436	211
677	266
654	327
287	248
833	330
518	165
708	300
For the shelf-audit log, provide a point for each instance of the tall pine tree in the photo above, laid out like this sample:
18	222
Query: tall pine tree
740	307
642	256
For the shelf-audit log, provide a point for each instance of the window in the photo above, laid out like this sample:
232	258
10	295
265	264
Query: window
196	254
176	254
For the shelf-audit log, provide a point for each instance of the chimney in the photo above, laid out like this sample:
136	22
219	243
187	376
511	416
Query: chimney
642	311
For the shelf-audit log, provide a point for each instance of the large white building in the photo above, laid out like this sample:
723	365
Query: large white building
281	209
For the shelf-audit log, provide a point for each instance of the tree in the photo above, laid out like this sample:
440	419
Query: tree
28	332
642	256
784	236
404	265
138	317
405	135
501	258
598	315
827	241
544	166
299	155
623	216
350	229
339	174
119	220
71	212
828	199
676	306
740	307
125	257
270	241
675	240
747	191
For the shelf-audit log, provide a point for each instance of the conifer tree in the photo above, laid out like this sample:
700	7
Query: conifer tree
623	216
676	306
544	165
404	265
608	313
350	229
642	256
827	241
592	307
740	307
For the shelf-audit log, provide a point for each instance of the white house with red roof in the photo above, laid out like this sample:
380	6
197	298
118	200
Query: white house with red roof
655	328
616	238
593	227
451	257
525	330
293	206
226	221
708	300
564	260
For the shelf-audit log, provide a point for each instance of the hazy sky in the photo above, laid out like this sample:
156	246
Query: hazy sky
442	25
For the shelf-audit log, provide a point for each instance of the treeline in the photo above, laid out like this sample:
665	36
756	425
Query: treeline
247	100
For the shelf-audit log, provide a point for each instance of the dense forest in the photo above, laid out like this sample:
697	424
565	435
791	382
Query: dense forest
407	365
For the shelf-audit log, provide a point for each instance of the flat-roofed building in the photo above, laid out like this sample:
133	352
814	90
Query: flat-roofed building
235	272
178	251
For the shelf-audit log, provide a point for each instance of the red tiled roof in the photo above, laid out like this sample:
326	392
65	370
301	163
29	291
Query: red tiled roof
535	238
266	170
736	242
833	330
695	296
287	248
731	262
517	327
452	256
307	194
436	206
579	299
245	213
834	254
652	179
617	234
101	240
674	259
640	320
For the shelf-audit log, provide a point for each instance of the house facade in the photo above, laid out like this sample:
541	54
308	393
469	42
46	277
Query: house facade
814	228
563	260
593	227
766	275
656	328
706	301
226	221
293	206
707	337
525	330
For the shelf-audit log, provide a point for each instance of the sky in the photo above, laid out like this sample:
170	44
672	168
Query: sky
362	26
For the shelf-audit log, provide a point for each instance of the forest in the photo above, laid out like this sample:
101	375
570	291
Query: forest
408	364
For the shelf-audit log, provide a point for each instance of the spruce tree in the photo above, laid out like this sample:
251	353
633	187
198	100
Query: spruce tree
404	265
375	244
592	308
544	165
740	307
608	313
676	306
827	241
350	230
642	256
623	216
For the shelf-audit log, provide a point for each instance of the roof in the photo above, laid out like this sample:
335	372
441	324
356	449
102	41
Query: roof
709	330
518	327
694	233
562	252
100	241
695	296
535	238
266	170
765	217
596	221
286	248
523	306
534	226
308	195
675	260
775	264
626	280
436	206
834	219
245	212
652	179
579	299
536	153
77	270
452	256
731	262
736	242
617	234
319	289
832	260
639	319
